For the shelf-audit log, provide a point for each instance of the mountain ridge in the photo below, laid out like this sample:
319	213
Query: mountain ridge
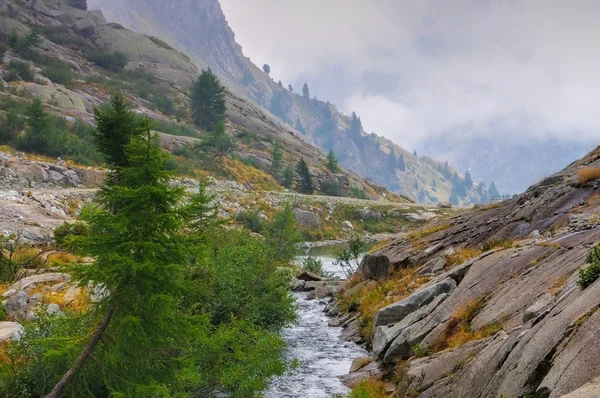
201	28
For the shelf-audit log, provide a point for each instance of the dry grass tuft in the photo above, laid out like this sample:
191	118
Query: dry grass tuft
370	300
459	331
379	246
558	284
245	174
587	174
463	255
370	388
425	232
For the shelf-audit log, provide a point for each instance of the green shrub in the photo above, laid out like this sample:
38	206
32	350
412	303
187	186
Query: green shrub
58	72
65	36
250	161
173	128
591	273
18	70
63	233
3	49
314	265
110	60
250	219
331	188
11	124
3	316
359	193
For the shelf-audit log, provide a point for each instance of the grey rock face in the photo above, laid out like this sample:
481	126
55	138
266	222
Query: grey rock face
396	312
384	335
10	331
367	214
307	219
17	307
375	267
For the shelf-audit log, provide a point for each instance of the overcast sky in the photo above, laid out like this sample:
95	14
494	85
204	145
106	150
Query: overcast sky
413	69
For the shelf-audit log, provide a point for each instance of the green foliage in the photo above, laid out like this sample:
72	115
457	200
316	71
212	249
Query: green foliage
305	91
283	236
67	231
314	265
332	188
358	192
591	273
3	49
305	183
111	60
189	307
8	267
208	101
250	219
18	70
332	162
250	161
65	36
248	137
289	176
58	72
20	44
350	256
116	125
11	124
277	160
217	143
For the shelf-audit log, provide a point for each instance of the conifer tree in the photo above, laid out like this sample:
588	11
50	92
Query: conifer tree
266	69
290	88
305	183
289	176
208	100
116	125
138	262
468	180
493	190
277	162
217	144
332	162
305	91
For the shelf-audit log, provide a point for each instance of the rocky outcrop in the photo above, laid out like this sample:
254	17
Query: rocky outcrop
375	267
10	331
527	328
307	219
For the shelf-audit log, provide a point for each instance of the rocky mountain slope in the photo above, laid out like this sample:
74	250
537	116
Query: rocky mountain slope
499	312
200	29
155	77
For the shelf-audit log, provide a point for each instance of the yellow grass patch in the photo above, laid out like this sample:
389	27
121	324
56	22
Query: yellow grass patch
371	388
462	255
379	246
245	174
459	331
425	232
588	174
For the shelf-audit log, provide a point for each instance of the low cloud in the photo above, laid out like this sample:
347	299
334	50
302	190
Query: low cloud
413	70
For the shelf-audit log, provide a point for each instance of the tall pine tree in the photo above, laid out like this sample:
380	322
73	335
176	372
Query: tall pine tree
208	100
277	162
332	162
305	183
305	91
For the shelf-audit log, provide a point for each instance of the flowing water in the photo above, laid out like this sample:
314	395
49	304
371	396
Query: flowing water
323	356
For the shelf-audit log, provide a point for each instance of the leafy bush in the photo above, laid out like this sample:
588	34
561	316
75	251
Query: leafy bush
314	265
359	193
331	188
58	72
349	257
63	233
18	70
250	219
11	124
250	161
591	273
110	60
65	36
